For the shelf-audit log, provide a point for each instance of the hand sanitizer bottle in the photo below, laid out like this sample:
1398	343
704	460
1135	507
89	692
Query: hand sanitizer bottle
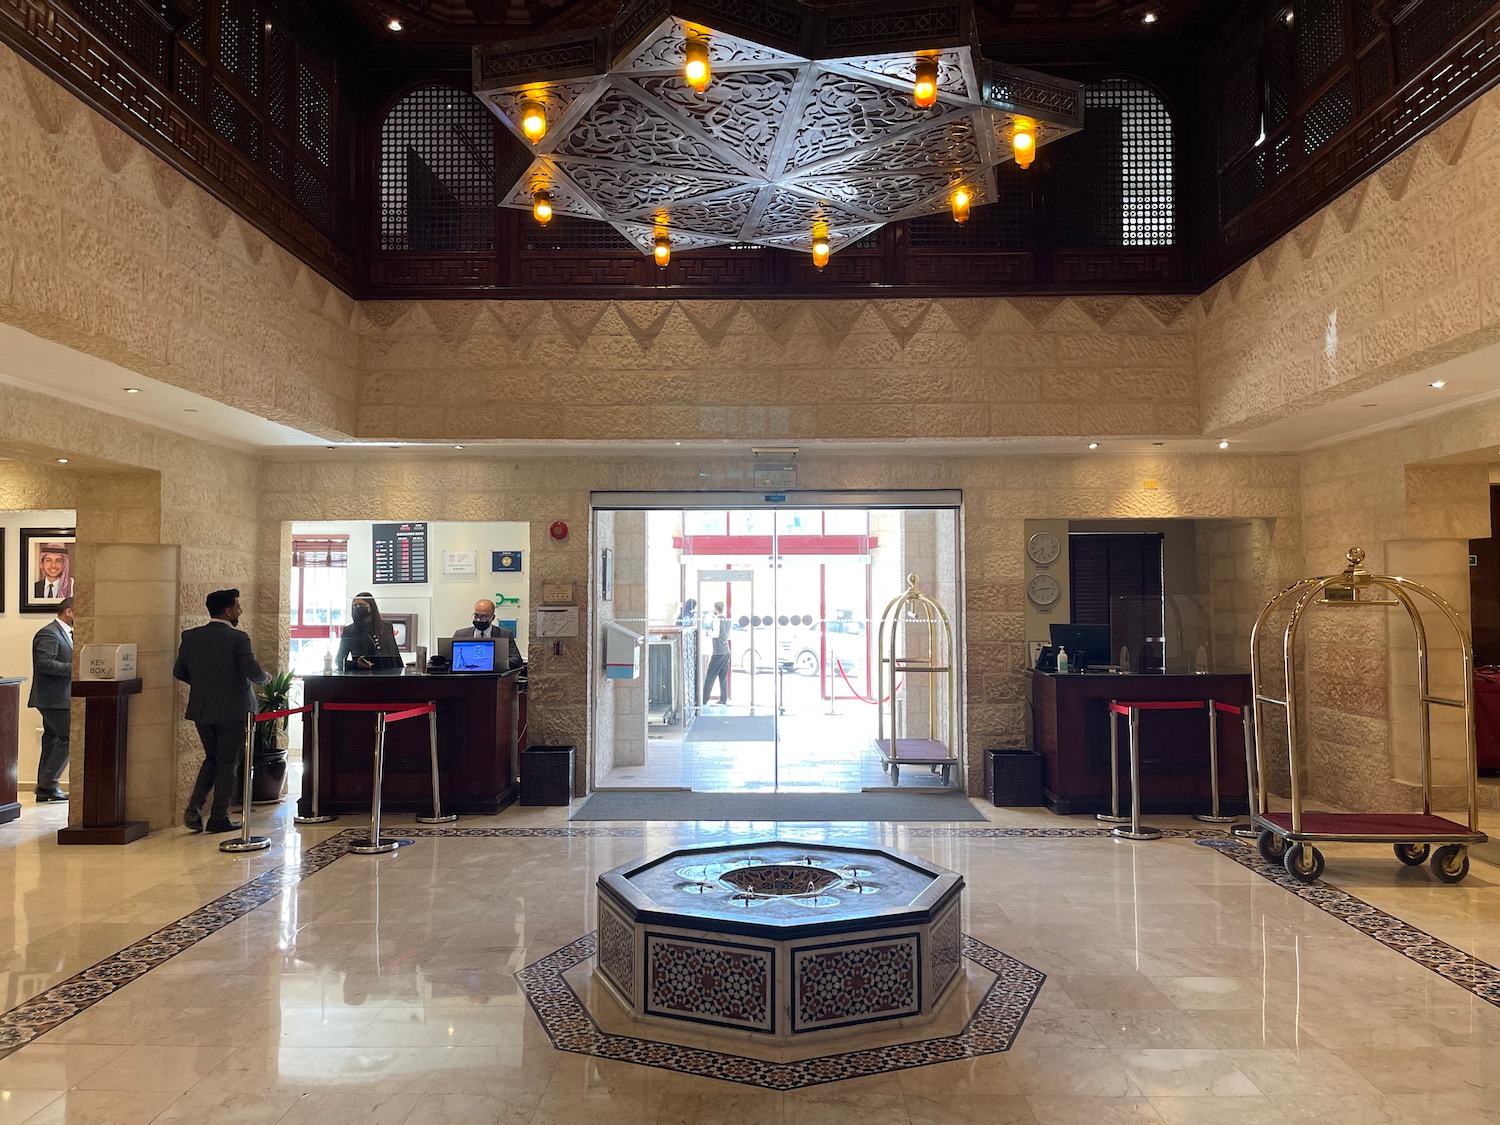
328	662
1062	660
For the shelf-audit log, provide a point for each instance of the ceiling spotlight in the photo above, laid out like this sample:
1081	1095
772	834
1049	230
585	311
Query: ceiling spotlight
961	200
1093	445
533	120
1148	17
62	460
393	24
1223	445
1288	16
541	207
1023	141
924	89
132	390
1438	384
661	248
821	249
696	70
458	447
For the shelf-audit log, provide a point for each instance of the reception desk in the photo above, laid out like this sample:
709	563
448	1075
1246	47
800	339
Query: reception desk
477	718
1070	729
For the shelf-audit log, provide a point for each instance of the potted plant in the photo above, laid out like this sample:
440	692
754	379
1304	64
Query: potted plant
269	777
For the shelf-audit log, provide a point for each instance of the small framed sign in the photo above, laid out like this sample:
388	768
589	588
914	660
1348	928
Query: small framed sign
460	562
505	562
607	575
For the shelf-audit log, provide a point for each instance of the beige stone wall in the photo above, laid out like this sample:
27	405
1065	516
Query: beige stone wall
777	370
1399	273
106	249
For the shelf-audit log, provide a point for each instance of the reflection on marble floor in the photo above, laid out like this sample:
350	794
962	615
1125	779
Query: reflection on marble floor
1181	987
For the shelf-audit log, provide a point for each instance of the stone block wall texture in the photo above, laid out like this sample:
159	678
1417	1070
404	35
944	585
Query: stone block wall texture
1397	274
777	370
105	248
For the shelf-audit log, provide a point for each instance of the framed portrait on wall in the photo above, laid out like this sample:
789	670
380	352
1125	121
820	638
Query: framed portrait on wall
46	567
404	625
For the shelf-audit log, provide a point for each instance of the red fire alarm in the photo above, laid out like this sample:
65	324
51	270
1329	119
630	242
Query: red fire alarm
558	530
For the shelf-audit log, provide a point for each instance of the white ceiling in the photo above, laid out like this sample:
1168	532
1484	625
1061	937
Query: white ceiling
36	364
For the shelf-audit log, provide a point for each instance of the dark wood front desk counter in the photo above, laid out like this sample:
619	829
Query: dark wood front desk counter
477	766
1070	729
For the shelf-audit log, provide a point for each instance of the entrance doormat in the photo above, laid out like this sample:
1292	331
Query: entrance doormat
792	808
732	728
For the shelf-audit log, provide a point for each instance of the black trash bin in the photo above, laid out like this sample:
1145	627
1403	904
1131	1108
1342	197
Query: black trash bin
547	775
1013	777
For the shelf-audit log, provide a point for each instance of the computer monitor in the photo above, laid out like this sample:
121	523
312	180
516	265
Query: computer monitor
1087	645
473	656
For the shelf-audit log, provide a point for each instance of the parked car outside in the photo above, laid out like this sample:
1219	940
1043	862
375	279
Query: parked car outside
800	649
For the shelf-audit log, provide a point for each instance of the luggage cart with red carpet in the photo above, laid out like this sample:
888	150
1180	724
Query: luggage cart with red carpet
1289	838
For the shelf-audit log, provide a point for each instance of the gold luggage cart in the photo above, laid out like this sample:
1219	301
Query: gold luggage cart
1288	838
929	654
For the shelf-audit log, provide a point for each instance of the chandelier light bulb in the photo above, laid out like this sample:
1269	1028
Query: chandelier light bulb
1023	141
697	70
961	201
924	90
533	120
821	249
662	249
541	207
392	24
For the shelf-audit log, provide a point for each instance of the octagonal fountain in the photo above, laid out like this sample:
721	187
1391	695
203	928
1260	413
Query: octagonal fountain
779	939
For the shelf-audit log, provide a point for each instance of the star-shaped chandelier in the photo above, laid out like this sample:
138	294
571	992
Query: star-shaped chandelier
765	122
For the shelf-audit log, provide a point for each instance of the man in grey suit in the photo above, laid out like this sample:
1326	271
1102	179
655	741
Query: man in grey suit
216	663
52	695
484	626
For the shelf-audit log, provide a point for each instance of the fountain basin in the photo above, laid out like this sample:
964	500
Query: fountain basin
779	939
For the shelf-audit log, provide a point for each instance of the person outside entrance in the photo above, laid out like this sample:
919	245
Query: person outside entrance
717	627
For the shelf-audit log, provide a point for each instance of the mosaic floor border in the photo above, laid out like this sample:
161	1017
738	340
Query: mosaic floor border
1447	961
55	1005
992	1027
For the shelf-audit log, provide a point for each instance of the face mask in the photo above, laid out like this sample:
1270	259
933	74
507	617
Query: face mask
481	624
361	614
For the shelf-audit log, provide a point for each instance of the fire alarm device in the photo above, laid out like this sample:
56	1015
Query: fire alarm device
558	530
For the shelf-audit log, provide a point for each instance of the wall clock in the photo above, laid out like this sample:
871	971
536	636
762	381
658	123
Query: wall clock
1043	548
1043	589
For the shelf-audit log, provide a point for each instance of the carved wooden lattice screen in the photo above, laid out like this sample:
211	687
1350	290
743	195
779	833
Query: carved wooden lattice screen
437	173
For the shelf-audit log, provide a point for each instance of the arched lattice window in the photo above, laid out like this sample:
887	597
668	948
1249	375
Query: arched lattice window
437	172
1114	181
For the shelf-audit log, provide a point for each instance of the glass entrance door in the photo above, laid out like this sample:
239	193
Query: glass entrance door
759	669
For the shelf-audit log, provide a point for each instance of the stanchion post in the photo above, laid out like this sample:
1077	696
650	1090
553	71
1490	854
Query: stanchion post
1135	830
437	816
375	843
317	815
1213	816
247	842
1248	831
1113	816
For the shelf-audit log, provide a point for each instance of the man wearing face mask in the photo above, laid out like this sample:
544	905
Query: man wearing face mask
484	626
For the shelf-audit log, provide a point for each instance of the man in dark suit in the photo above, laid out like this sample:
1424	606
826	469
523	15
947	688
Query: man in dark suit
484	626
216	663
52	695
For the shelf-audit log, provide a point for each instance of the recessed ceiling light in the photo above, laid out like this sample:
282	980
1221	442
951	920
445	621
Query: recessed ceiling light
1148	17
132	390
458	447
393	24
62	460
677	443
190	410
1223	445
1093	445
1288	16
1158	443
1367	405
1437	384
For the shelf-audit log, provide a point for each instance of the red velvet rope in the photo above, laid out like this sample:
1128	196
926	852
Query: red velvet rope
1230	707
281	714
397	716
1174	705
839	664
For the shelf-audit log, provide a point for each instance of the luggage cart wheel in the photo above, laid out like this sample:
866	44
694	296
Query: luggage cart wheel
1450	863
1271	846
1413	855
1303	862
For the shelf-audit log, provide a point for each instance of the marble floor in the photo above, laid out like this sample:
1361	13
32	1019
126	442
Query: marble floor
169	982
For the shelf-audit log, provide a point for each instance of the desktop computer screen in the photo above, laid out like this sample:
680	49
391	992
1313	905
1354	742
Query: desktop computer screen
1087	645
473	656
